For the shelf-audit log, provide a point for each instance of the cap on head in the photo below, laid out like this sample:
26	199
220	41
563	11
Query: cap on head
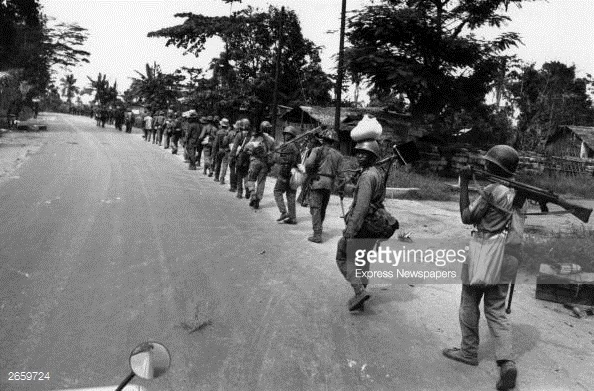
290	130
370	146
245	124
265	125
328	135
504	157
224	123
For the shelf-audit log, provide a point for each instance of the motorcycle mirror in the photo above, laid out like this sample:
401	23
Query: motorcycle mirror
150	360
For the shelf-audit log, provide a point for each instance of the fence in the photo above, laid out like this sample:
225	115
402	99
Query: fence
449	162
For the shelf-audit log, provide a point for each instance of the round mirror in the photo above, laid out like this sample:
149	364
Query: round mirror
150	360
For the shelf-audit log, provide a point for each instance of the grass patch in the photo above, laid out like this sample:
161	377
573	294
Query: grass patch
581	186
431	187
575	246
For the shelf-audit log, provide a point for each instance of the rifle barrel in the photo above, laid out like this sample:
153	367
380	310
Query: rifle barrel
538	194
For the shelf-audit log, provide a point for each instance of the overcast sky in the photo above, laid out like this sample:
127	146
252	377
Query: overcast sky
561	30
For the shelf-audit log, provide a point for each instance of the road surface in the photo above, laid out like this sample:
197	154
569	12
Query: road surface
108	241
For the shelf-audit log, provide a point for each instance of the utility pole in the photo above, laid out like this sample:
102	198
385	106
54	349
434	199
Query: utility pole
338	88
277	71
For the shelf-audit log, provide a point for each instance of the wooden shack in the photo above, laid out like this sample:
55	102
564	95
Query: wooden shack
397	128
571	141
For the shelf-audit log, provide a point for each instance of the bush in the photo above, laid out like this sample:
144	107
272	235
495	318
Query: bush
575	246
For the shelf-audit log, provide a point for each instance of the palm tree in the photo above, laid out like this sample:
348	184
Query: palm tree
69	89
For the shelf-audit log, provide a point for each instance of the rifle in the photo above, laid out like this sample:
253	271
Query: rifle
299	139
539	195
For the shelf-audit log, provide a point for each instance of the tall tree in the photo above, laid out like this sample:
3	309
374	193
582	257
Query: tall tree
69	88
548	97
426	50
105	93
250	37
155	88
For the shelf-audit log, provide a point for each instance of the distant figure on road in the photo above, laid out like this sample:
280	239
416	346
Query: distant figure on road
176	132
241	158
288	158
260	147
219	149
207	137
193	139
129	120
159	128
148	126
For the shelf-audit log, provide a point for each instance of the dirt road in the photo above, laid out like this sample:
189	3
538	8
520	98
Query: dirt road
108	241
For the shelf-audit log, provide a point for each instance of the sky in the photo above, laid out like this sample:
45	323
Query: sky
551	30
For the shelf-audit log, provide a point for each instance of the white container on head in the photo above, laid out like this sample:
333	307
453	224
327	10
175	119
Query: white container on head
367	129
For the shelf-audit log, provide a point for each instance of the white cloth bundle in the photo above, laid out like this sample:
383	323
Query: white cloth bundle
367	129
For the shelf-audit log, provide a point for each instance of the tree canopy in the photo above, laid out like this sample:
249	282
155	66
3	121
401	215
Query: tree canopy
244	73
426	50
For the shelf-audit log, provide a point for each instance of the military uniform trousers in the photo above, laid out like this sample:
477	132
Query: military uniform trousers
257	178
218	164
345	260
175	136
191	151
318	202
283	186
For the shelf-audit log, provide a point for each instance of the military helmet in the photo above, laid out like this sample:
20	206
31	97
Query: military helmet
369	146
245	124
290	130
328	134
504	157
224	123
265	125
210	118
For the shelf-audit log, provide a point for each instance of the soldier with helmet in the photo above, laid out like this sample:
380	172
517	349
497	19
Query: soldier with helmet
491	214
207	137
219	150
159	127
226	145
288	158
240	158
232	157
176	132
323	164
368	191
192	140
260	147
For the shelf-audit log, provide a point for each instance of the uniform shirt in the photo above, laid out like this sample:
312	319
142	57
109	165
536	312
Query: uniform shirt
148	122
210	131
369	191
288	157
329	167
193	134
218	141
486	217
259	146
238	142
159	120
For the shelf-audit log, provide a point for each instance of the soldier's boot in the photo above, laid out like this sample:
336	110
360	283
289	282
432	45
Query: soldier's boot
356	302
316	238
257	204
317	226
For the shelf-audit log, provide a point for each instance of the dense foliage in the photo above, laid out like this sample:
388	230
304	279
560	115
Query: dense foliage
243	75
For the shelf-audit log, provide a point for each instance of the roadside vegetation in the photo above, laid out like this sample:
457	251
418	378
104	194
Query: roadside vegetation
573	246
580	186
